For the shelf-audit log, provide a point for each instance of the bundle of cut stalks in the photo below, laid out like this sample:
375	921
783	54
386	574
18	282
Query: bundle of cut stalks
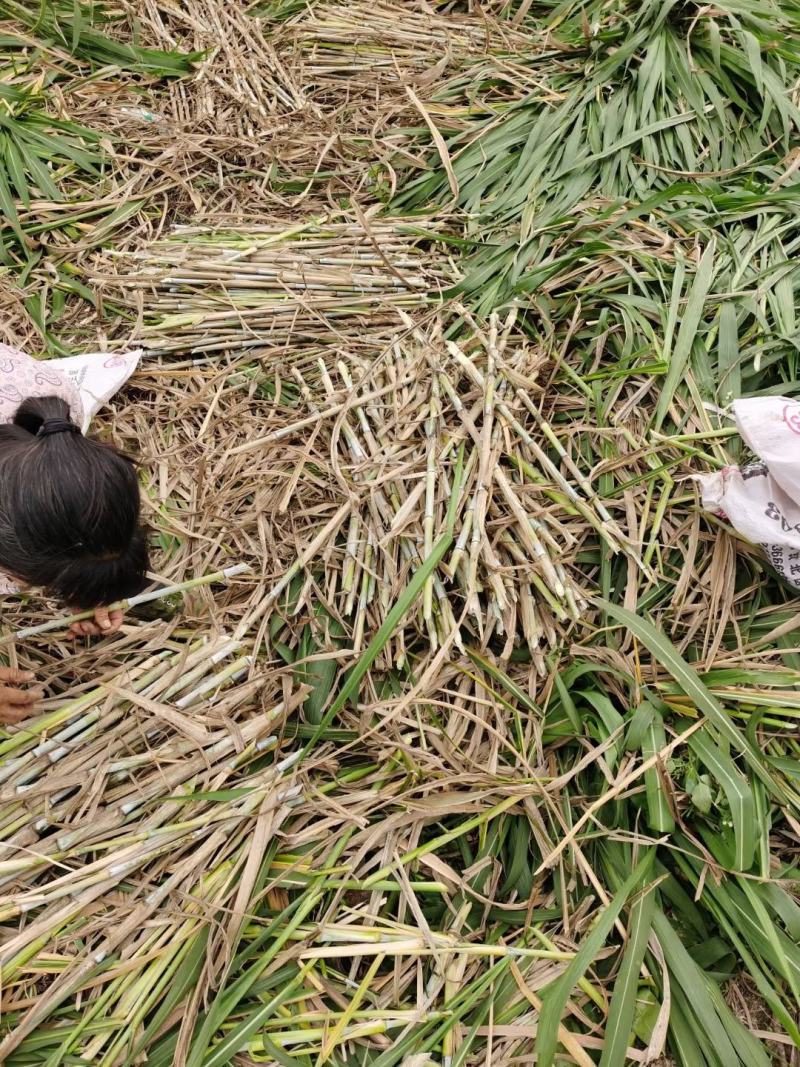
93	797
395	41
452	483
263	285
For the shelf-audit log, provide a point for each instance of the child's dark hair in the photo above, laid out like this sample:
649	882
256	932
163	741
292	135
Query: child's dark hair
69	509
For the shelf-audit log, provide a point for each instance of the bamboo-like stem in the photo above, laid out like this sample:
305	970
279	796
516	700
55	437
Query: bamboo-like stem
130	602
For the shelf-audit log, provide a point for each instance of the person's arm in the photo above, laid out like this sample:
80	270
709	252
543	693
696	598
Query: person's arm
17	704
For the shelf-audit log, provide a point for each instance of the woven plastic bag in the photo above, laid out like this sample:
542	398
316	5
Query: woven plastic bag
762	500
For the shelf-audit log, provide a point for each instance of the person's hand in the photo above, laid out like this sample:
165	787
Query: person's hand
16	704
103	624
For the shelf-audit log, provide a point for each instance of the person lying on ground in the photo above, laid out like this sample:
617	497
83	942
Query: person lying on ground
69	513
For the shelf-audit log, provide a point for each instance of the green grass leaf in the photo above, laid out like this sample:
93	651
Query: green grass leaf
554	998
403	603
669	658
737	792
690	320
626	988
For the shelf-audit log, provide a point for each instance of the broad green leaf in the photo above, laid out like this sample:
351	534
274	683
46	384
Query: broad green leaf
669	658
737	792
659	814
690	320
626	986
555	996
724	1034
728	370
9	211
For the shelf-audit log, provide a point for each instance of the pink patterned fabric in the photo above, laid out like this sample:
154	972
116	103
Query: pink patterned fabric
22	376
7	586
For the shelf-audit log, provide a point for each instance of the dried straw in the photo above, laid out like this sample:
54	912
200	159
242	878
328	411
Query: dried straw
208	291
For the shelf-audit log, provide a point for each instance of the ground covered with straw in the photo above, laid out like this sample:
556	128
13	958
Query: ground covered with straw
491	754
